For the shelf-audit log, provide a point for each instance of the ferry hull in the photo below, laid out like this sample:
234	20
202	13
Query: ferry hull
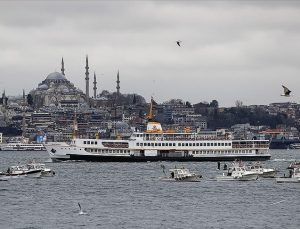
100	158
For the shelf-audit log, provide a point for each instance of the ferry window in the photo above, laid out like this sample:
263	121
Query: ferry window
155	144
186	144
179	144
208	144
229	144
222	143
96	143
174	144
159	144
201	144
190	144
162	144
197	144
92	143
152	144
194	144
204	144
84	142
137	144
216	144
219	143
145	144
88	142
148	144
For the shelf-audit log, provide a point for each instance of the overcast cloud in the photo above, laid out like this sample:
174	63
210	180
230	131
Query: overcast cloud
232	50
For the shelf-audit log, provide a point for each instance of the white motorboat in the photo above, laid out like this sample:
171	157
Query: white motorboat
294	176
262	172
45	172
237	172
181	175
294	164
21	170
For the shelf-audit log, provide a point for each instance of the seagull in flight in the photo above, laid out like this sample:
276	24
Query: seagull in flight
178	42
286	91
80	210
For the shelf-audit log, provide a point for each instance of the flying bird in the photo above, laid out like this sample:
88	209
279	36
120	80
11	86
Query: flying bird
178	42
286	91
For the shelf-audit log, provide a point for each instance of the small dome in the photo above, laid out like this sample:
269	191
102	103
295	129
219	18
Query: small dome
43	87
65	90
56	76
122	125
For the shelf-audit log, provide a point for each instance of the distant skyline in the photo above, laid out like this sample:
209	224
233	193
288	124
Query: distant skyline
230	50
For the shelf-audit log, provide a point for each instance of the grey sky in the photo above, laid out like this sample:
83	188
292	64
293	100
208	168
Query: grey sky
231	50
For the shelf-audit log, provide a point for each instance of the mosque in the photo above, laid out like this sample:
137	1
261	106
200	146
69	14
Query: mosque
57	90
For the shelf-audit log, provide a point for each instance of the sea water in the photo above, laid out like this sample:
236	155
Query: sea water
129	195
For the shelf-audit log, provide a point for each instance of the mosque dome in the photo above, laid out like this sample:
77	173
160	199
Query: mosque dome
56	76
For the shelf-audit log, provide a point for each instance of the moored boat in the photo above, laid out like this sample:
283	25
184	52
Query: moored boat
262	172
294	176
21	170
45	172
237	172
181	175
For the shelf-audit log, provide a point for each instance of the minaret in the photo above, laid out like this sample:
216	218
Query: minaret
118	84
24	98
95	86
62	66
23	120
4	99
23	125
87	95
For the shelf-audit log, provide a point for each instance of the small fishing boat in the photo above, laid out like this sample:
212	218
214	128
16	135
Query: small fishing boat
181	175
294	176
262	172
294	164
237	172
20	171
45	172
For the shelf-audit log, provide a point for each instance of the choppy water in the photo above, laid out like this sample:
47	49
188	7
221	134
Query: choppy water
129	195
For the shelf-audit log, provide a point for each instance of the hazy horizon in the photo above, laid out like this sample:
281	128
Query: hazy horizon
231	50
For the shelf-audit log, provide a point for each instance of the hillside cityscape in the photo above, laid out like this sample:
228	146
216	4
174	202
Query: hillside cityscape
47	113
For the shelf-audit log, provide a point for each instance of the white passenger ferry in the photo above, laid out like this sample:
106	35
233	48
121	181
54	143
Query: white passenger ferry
156	145
22	147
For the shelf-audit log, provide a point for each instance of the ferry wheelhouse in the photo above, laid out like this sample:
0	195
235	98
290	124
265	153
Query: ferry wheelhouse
156	145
